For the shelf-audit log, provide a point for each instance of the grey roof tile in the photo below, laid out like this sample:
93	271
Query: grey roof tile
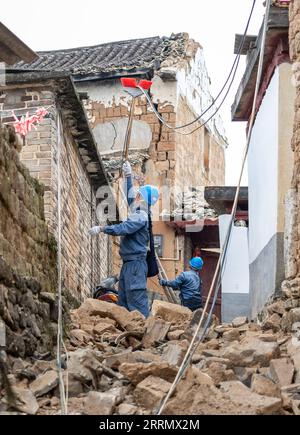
109	57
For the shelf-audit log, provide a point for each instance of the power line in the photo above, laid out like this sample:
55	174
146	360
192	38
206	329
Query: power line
233	71
220	265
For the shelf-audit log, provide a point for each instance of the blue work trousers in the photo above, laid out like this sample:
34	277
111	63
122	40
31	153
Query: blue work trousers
133	286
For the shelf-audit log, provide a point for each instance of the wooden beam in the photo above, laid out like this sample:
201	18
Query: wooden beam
7	56
16	46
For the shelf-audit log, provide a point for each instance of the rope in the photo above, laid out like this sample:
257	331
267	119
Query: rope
24	110
220	263
60	342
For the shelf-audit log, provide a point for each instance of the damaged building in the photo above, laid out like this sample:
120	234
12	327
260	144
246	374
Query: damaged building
160	156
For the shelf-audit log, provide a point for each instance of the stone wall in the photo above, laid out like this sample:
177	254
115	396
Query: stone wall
27	256
292	231
85	261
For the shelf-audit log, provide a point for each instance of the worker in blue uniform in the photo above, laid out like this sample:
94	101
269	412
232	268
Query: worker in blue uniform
134	234
189	284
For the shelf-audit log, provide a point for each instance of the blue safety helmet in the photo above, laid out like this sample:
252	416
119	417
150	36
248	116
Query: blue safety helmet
196	263
150	194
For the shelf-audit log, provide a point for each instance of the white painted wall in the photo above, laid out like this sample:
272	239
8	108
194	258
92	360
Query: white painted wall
110	136
194	84
263	172
235	277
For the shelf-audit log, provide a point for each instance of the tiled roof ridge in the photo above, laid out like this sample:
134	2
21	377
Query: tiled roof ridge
124	55
96	46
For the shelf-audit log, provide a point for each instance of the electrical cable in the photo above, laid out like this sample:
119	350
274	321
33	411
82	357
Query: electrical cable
220	263
233	70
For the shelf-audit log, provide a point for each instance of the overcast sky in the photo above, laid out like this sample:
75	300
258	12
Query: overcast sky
73	23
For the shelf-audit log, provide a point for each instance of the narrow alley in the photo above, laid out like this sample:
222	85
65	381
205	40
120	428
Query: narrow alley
137	278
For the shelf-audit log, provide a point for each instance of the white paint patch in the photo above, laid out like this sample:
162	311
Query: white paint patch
164	92
236	270
194	85
263	172
110	136
106	92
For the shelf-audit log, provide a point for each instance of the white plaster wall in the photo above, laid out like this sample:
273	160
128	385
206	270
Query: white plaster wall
235	277
194	84
263	172
105	92
164	92
110	136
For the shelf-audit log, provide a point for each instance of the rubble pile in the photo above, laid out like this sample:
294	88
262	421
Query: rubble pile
118	363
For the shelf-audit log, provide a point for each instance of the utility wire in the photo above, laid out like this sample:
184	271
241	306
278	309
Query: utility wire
233	71
220	265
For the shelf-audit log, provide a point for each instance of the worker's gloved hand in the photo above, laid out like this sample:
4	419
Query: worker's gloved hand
95	231
162	282
127	170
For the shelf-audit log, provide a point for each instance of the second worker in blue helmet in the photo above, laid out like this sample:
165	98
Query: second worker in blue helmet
189	284
134	234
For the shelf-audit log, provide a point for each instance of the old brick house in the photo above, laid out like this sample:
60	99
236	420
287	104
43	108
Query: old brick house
160	156
270	159
65	129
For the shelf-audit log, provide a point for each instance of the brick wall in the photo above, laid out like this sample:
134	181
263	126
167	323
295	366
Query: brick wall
162	145
27	256
85	261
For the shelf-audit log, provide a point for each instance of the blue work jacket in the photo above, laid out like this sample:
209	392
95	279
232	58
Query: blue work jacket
189	284
134	231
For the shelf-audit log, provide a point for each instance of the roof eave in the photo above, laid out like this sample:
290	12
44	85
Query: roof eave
83	137
111	75
12	49
278	26
69	100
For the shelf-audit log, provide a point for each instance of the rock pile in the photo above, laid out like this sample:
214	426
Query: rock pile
118	363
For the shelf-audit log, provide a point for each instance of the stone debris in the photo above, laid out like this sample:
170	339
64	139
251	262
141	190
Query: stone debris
239	394
175	314
251	351
282	371
96	403
156	331
173	353
25	402
151	391
137	372
127	409
239	321
264	386
44	383
118	363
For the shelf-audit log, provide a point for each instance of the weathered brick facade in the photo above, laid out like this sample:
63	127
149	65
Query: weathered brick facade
85	261
27	255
